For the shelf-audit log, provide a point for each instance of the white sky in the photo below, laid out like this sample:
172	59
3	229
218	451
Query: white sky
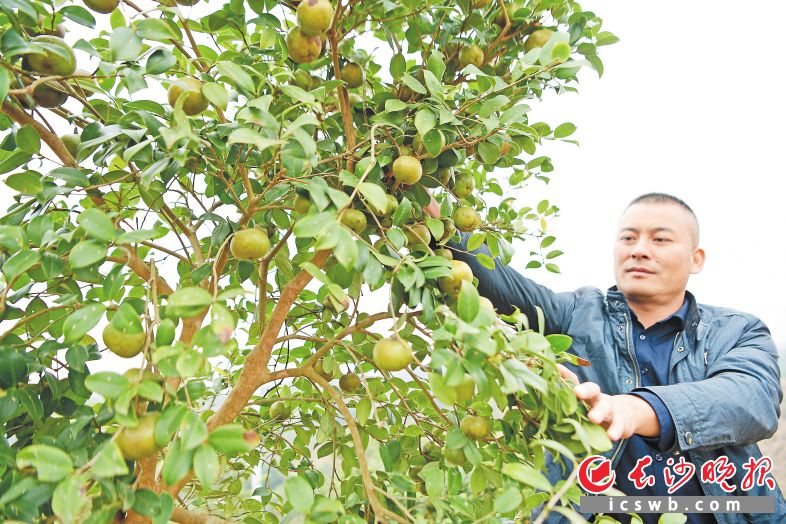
689	104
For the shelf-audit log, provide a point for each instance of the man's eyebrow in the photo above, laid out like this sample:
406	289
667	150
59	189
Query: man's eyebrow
656	230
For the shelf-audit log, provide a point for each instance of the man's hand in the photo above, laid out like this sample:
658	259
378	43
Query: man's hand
621	415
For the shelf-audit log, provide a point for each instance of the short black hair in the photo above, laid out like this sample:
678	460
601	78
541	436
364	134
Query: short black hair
662	198
665	198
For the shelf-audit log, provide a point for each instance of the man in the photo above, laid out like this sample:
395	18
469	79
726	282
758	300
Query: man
670	379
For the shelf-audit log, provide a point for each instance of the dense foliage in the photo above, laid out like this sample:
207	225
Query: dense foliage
206	198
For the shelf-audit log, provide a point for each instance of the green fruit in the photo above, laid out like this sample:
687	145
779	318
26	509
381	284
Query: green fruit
455	456
466	389
464	185
122	344
71	143
407	169
187	2
249	244
417	234
538	39
466	219
444	253
353	75
102	6
561	51
349	382
303	48
51	63
477	4
165	332
445	175
302	79
487	305
460	271
195	101
280	411
319	367
392	354
139	442
137	375
476	428
355	220
470	54
302	205
355	99
314	16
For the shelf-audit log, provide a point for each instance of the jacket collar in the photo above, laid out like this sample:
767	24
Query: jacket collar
617	303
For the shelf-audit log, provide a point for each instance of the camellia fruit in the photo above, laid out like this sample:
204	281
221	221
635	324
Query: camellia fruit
466	219
122	344
392	354
71	143
302	79
303	48
460	271
136	375
47	95
560	51
102	6
319	367
50	63
477	4
280	411
407	169
195	101
249	244
470	54
355	220
455	456
314	16
476	428
352	74
140	441
302	204
464	185
417	234
538	39
349	382
444	253
187	2
466	389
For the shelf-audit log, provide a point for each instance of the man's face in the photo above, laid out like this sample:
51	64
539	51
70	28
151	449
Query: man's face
655	252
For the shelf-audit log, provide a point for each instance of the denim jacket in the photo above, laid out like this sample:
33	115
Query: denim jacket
724	389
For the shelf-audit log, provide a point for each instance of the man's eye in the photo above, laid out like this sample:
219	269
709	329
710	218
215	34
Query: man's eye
661	239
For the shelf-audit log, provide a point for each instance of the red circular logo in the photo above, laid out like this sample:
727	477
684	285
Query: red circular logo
595	474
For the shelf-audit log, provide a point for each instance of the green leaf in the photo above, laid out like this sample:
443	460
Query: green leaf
78	323
109	461
206	465
507	500
107	384
125	45
559	342
177	463
526	475
468	302
27	139
606	38
71	176
564	130
78	14
412	83
50	463
13	367
86	253
188	301
27	182
156	29
146	503
299	493
20	262
96	224
425	121
246	135
230	439
434	141
363	410
398	64
216	94
237	76
67	499
168	422
5	82
160	61
374	194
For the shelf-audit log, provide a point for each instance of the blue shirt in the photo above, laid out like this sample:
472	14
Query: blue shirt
653	347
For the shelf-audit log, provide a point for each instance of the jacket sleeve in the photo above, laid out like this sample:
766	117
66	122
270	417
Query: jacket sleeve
737	403
507	289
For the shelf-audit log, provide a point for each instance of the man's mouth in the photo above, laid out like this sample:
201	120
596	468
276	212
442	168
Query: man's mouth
639	270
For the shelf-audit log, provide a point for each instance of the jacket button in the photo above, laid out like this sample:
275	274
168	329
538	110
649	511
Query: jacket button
689	438
681	349
658	457
629	381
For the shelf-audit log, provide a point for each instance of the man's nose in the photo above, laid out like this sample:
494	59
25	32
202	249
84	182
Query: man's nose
640	249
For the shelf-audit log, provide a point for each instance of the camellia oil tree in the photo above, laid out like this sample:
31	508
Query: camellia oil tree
206	194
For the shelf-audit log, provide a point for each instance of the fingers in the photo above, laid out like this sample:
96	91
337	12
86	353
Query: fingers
567	374
588	391
432	208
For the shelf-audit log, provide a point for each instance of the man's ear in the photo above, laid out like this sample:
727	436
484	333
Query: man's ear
697	261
